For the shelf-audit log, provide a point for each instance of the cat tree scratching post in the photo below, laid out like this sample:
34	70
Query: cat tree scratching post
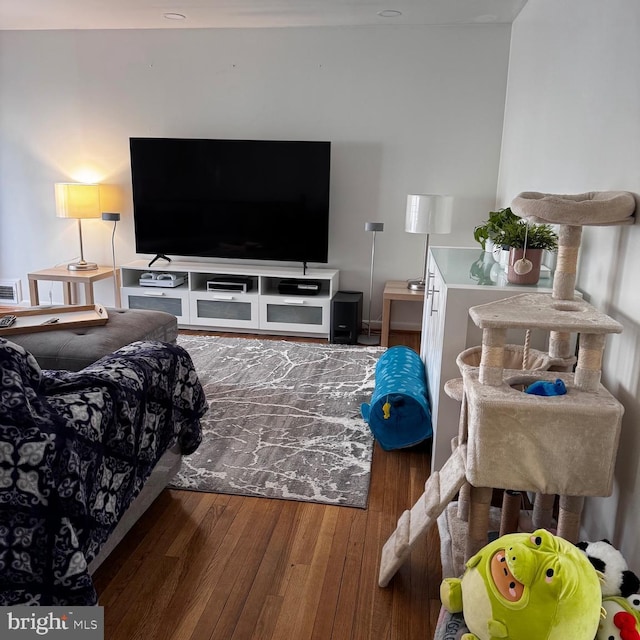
564	283
571	440
543	511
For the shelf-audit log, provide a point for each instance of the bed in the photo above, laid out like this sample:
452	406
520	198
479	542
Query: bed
77	450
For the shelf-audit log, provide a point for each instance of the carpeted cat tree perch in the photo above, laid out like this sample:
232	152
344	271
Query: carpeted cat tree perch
563	445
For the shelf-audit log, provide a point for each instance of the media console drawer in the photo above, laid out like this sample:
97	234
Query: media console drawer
295	313
225	309
174	301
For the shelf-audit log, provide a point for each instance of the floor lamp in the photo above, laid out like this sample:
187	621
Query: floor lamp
368	339
427	214
114	217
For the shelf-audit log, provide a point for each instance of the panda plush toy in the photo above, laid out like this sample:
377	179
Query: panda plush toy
619	580
620	592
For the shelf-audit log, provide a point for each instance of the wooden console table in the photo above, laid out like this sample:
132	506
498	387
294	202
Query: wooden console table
68	278
395	290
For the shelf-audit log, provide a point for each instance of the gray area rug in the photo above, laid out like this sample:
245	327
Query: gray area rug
284	420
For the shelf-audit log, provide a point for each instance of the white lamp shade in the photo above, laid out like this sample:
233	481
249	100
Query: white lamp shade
77	200
428	213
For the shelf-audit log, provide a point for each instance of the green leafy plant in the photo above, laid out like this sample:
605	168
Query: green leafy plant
492	228
538	236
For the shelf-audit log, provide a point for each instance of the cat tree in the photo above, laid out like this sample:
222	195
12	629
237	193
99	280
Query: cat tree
561	445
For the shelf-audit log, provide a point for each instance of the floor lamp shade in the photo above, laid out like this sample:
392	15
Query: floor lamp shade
79	201
426	214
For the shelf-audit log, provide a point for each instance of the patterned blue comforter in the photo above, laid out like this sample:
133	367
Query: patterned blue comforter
75	450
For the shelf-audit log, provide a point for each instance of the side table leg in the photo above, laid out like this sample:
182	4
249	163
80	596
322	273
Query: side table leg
116	280
88	293
34	297
66	293
386	321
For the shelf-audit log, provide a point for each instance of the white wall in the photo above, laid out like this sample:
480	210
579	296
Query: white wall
408	110
572	125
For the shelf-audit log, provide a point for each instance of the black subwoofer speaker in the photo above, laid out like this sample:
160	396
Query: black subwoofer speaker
346	317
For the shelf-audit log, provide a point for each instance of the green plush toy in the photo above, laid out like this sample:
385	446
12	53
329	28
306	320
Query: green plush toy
527	586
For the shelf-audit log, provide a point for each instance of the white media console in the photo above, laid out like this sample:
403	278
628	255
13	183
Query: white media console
263	308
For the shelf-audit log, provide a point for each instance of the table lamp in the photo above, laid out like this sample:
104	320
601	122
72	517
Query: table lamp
80	201
374	227
427	213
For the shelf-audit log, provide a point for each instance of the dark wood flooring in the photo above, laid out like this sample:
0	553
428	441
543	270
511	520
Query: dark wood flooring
205	566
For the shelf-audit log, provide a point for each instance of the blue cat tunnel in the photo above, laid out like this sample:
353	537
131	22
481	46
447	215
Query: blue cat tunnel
399	414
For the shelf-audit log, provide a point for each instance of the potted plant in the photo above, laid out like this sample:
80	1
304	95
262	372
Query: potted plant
526	242
491	228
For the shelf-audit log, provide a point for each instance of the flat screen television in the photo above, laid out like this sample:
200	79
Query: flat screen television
246	199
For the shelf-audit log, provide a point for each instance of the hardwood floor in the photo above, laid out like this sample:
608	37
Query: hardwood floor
204	566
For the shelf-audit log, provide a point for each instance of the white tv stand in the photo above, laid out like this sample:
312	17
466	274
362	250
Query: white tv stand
262	309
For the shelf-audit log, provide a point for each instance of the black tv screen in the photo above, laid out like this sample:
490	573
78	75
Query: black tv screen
248	199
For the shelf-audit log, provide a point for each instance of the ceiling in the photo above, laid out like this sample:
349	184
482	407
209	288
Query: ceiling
199	14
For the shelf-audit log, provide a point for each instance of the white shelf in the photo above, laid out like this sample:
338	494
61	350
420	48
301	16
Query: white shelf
260	309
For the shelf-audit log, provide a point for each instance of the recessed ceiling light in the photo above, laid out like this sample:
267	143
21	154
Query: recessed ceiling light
389	13
174	16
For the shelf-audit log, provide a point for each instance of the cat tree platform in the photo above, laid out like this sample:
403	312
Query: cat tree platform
561	445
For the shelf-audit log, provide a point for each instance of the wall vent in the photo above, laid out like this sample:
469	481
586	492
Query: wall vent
10	292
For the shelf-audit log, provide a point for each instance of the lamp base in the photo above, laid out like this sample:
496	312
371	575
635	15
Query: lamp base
83	265
416	285
369	341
